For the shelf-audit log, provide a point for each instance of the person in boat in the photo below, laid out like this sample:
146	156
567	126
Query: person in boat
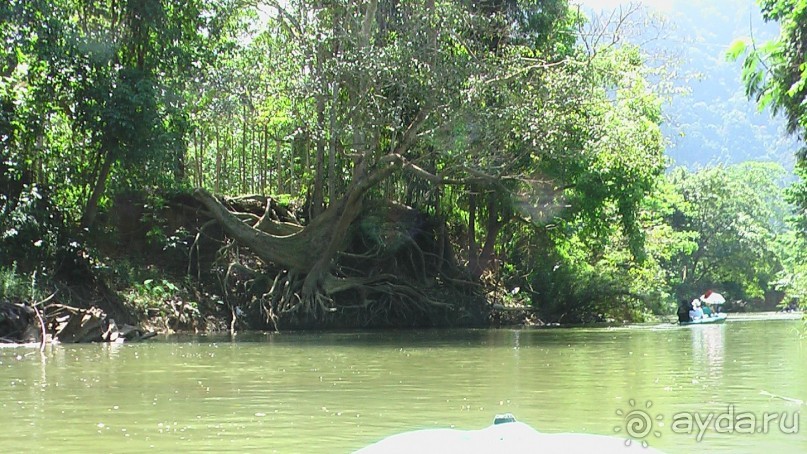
707	311
696	313
683	311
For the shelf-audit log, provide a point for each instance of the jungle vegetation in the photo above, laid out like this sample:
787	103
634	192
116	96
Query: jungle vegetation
376	163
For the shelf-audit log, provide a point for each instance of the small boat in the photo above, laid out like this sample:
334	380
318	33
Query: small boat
505	435
714	318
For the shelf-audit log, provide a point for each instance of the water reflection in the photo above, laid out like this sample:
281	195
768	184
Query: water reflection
708	348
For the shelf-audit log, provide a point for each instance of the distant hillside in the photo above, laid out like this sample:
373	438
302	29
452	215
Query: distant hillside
715	122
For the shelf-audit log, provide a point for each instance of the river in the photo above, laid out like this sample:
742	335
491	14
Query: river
336	392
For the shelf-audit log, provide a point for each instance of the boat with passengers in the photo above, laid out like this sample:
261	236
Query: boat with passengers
703	310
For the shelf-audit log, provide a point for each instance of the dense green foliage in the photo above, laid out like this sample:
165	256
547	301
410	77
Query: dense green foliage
775	74
533	135
733	214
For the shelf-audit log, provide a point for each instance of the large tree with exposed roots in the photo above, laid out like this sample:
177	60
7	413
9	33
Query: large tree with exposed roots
496	102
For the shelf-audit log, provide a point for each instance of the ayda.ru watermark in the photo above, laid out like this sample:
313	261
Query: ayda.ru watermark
641	424
732	421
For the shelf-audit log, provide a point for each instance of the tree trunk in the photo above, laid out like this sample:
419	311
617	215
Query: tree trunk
494	225
332	137
318	197
473	248
318	202
290	251
180	168
332	134
217	181
253	167
311	250
243	157
264	153
91	209
200	158
225	157
279	171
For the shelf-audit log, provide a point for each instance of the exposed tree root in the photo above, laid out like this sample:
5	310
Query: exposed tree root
389	266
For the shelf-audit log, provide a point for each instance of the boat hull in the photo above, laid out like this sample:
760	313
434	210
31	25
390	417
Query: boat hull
714	319
512	438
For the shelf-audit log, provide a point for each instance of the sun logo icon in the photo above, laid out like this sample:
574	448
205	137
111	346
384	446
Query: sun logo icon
638	423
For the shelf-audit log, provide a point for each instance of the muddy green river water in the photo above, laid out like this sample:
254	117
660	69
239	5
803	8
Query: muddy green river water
731	388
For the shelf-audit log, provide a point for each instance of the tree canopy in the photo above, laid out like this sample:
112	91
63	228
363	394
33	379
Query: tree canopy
512	146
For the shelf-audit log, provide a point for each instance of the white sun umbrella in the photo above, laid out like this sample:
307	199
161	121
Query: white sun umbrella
713	298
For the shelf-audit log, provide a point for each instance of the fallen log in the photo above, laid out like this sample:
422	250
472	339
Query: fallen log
75	325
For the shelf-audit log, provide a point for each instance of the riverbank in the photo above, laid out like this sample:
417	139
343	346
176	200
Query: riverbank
168	266
172	263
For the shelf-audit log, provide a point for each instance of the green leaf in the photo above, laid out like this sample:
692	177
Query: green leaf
736	49
765	99
797	87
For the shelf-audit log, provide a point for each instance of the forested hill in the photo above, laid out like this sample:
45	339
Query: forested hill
714	122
